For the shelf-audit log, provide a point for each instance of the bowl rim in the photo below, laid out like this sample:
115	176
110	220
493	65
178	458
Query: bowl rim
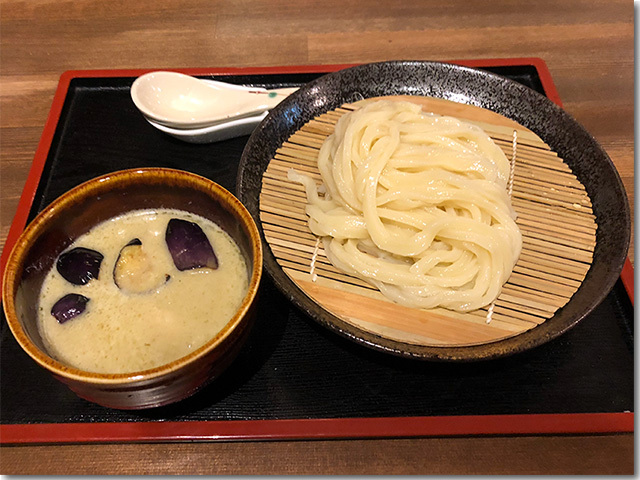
104	182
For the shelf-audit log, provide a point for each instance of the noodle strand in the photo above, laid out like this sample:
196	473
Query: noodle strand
416	204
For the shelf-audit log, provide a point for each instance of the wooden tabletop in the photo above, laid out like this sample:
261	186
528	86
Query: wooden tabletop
587	45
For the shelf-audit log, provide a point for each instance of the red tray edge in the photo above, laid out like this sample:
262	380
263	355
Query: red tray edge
288	429
329	428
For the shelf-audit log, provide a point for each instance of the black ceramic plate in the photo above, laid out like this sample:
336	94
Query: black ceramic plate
559	130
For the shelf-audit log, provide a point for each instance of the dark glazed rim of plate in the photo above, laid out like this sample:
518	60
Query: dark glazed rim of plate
558	129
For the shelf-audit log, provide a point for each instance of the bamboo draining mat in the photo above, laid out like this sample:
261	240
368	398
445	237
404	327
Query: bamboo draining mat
554	216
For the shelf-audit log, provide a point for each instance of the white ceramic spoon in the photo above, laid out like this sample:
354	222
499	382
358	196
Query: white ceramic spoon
214	133
184	102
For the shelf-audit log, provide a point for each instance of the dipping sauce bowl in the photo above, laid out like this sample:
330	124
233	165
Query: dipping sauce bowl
75	213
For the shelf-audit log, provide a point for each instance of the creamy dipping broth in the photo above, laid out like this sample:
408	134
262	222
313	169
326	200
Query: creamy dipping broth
122	331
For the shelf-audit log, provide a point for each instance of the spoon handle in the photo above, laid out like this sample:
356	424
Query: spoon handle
281	91
276	93
271	98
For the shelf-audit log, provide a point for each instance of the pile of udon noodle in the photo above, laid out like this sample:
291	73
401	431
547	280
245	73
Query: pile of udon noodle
416	204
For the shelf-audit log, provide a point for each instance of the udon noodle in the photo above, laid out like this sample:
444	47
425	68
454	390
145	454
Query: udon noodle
416	204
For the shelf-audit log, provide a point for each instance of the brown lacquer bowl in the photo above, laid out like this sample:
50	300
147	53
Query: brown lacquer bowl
77	211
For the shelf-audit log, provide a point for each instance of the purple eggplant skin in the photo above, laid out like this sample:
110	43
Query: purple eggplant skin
69	306
79	265
189	246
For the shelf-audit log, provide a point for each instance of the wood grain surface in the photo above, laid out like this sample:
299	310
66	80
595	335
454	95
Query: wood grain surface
587	45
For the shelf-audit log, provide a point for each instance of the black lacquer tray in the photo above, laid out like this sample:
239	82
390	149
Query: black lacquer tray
294	378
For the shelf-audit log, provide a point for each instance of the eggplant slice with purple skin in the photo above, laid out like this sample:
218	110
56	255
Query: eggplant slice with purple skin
79	265
136	272
69	306
189	246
